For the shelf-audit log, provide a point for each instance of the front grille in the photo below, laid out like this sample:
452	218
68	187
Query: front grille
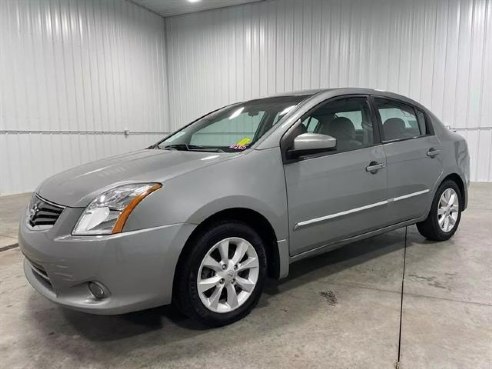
43	213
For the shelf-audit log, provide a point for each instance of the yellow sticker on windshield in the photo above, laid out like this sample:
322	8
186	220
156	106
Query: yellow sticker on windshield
242	144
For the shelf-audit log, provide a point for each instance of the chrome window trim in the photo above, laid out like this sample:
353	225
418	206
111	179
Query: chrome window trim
309	222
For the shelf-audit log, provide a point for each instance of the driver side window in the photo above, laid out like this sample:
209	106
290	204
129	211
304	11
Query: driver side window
310	123
347	119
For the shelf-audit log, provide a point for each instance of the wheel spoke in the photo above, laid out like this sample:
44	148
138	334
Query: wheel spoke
232	300
208	283
215	297
441	211
443	200
452	199
224	251
245	284
241	249
248	264
447	196
454	208
441	220
446	224
211	263
452	221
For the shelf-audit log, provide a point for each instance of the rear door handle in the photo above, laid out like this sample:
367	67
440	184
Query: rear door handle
433	152
374	166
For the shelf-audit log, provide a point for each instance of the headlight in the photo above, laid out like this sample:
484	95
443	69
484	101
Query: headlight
107	213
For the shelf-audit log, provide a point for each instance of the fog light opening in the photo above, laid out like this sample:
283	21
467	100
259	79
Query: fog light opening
97	290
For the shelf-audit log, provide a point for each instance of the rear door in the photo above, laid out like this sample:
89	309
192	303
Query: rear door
412	153
340	194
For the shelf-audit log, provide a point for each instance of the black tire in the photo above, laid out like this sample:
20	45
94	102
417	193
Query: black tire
186	289
430	228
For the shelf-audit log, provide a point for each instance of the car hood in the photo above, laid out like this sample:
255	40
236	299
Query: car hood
78	186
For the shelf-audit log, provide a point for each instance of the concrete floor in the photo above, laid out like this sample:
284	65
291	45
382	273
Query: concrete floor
340	310
11	208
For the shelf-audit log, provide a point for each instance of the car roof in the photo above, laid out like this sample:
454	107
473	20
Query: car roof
352	91
341	91
309	92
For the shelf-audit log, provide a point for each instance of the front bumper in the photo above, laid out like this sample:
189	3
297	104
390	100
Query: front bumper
136	268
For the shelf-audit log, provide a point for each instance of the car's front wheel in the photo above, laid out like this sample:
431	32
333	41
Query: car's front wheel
445	214
222	276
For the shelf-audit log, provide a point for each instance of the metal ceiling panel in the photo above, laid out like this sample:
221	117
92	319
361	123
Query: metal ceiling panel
167	8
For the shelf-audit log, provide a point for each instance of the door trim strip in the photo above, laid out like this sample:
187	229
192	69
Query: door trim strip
309	222
410	195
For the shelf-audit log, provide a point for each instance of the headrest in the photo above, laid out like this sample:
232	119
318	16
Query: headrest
341	128
393	128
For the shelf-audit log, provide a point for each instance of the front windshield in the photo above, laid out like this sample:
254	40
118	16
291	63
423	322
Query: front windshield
233	128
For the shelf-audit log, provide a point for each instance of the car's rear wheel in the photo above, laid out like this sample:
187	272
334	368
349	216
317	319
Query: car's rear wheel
445	214
222	276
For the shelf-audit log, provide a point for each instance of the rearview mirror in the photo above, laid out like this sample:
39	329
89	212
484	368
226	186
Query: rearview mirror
311	143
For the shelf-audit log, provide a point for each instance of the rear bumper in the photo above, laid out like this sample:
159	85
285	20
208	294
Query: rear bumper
136	268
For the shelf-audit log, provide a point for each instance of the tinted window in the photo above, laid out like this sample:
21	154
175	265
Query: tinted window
224	132
234	127
348	120
310	123
399	120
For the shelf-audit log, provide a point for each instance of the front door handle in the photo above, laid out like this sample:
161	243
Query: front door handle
374	166
432	153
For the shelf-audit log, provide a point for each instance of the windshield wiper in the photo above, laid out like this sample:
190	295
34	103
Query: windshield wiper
186	147
208	149
183	147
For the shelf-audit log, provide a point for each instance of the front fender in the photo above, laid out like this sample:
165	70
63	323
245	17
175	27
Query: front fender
253	181
238	201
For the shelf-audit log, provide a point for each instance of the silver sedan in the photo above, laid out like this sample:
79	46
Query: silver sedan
202	217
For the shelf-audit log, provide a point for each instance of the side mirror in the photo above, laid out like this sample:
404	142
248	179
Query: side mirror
312	143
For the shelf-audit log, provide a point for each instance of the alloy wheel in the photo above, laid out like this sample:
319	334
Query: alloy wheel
448	210
228	275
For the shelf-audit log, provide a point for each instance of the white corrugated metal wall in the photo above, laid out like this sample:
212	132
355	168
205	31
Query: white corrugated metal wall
438	52
73	76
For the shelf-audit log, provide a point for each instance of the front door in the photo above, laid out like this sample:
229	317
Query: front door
343	193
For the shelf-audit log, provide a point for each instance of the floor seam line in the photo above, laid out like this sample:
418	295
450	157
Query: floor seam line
9	247
397	364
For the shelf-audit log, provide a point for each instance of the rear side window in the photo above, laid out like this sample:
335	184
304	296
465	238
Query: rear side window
400	121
